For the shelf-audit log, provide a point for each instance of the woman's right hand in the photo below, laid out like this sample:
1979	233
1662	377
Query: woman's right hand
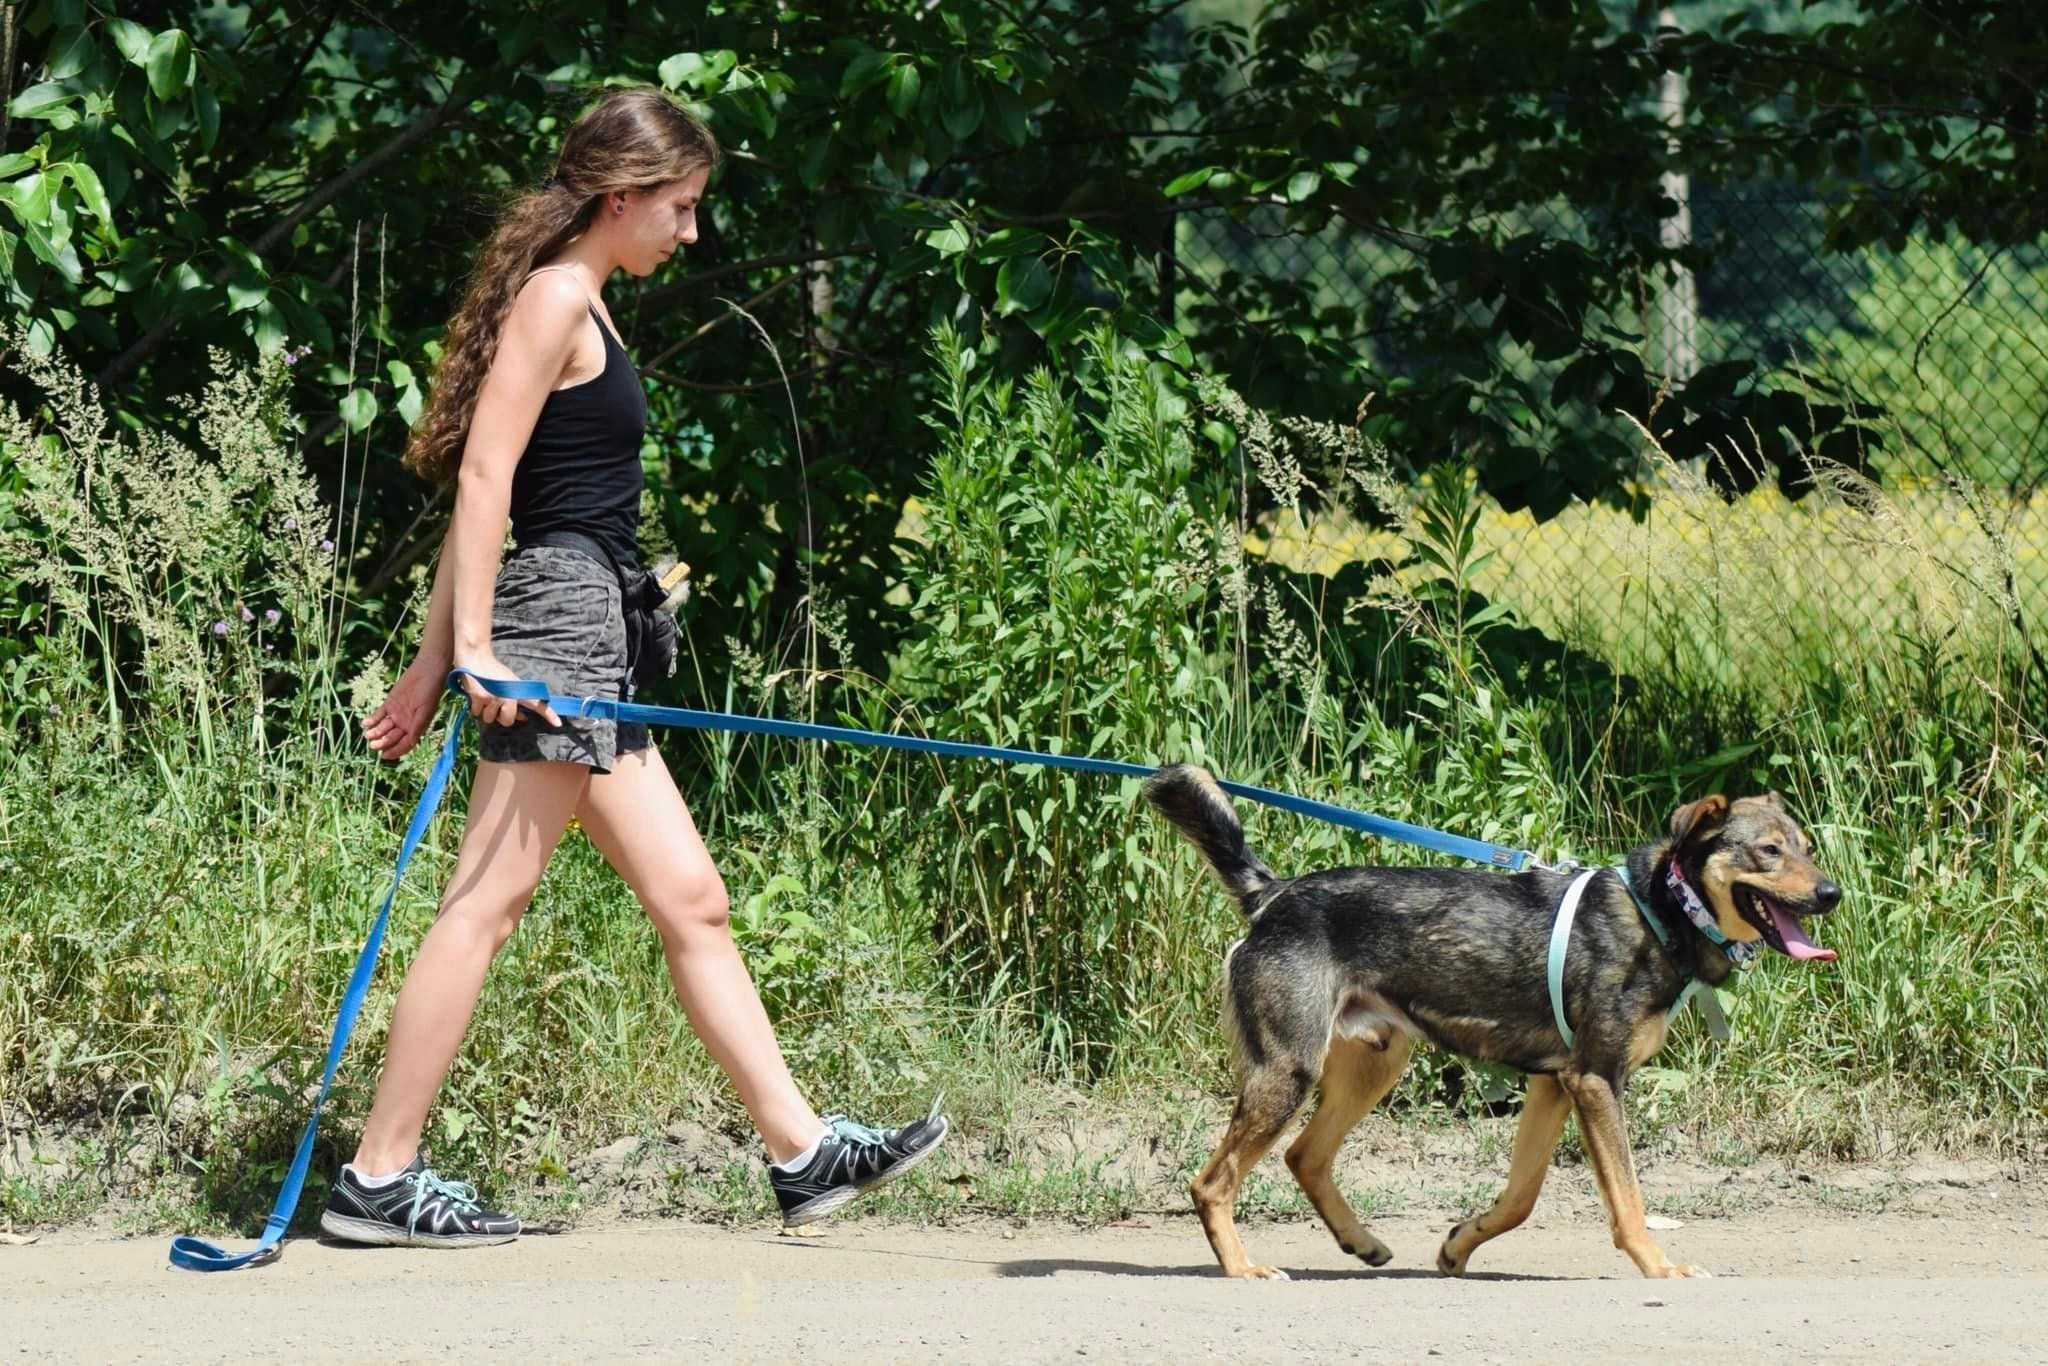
497	711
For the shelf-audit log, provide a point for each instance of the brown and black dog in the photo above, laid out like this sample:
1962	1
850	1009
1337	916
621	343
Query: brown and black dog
1341	970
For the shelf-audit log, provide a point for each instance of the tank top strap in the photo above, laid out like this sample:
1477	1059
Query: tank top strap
604	328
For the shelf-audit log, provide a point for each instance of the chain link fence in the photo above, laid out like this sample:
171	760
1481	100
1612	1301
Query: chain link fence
1946	539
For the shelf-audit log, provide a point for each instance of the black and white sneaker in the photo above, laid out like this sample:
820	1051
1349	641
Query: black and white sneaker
416	1208
849	1159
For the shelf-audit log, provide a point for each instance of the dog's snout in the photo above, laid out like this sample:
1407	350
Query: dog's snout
1826	895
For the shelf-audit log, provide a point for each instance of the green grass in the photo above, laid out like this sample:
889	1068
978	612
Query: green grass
186	871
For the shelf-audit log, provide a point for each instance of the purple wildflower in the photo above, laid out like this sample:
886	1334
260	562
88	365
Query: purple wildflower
291	358
326	547
270	616
291	524
220	628
247	616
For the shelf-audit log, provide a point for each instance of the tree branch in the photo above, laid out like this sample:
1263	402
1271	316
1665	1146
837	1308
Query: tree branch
669	293
124	364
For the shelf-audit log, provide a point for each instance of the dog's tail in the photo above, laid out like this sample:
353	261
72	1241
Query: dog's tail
1199	809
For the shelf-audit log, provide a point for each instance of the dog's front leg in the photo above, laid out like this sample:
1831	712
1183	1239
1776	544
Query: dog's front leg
1598	1101
1543	1112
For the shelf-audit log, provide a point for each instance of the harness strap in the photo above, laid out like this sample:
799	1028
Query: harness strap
1560	941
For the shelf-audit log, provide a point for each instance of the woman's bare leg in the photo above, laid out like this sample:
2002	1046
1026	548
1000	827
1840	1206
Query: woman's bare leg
517	813
638	820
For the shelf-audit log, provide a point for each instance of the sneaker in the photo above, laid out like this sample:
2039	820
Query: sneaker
852	1158
414	1209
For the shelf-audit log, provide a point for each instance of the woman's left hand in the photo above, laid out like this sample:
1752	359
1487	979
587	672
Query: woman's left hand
404	714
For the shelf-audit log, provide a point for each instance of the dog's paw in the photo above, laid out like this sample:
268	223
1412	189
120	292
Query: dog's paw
1262	1273
1450	1259
1368	1249
1681	1272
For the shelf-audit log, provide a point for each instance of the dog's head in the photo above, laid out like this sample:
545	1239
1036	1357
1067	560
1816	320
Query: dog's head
1754	867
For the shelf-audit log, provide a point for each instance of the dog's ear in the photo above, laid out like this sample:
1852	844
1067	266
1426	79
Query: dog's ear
1697	820
1775	800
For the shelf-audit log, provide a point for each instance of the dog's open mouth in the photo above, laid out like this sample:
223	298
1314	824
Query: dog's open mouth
1780	927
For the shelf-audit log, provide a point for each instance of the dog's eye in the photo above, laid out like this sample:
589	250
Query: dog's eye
1770	850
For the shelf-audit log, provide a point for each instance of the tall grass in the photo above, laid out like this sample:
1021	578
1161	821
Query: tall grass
189	846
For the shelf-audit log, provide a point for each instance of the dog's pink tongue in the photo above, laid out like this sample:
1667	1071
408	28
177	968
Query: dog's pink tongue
1796	942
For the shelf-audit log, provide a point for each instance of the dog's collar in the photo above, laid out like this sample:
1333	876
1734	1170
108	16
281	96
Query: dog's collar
1710	1004
1739	952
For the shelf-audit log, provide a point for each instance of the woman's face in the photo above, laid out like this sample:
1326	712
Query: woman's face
654	223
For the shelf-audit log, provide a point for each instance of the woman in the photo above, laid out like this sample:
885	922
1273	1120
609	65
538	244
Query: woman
537	415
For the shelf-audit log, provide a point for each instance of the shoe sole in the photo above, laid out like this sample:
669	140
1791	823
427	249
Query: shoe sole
373	1234
832	1201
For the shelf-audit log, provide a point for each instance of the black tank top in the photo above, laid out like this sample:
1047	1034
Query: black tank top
581	470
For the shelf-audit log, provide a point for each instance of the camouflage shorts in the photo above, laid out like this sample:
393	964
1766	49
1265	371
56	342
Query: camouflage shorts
555	618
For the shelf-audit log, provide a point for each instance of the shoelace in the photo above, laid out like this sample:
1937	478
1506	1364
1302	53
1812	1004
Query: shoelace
853	1132
847	1129
428	1184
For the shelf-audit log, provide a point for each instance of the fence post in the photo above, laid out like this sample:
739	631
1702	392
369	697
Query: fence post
1679	303
1167	281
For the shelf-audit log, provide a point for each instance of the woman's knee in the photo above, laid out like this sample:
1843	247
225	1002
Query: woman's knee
691	906
488	914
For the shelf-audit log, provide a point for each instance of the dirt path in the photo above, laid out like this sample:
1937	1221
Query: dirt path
1871	1288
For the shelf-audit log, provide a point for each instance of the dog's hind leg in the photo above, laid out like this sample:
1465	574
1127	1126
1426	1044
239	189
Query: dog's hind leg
1600	1126
1543	1112
1271	1095
1356	1075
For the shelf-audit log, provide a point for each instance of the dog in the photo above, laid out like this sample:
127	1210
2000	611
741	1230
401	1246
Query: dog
1341	970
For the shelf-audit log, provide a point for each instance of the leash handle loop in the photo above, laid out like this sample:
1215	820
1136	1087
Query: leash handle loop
196	1254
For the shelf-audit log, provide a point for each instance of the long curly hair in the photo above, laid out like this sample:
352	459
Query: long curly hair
633	139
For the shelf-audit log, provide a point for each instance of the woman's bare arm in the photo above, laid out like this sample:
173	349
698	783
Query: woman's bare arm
538	342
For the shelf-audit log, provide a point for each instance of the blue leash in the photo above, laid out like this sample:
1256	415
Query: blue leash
195	1254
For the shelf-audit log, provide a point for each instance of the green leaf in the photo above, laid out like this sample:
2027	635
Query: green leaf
863	71
1010	123
1193	180
961	111
246	294
32	194
409	404
132	38
682	67
37	101
359	409
905	84
950	240
269	328
170	63
1301	185
15	161
52	252
811	163
400	372
72	55
1022	285
206	108
89	189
